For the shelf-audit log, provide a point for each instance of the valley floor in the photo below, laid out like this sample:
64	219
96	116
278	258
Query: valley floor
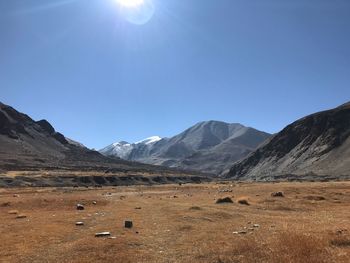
174	223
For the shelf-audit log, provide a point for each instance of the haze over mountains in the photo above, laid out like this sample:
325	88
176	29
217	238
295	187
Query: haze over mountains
315	147
210	146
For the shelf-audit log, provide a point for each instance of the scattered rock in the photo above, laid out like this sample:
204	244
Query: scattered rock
128	224
79	223
224	200
80	207
195	208
15	195
243	201
103	234
241	232
226	191
277	194
13	212
256	225
21	216
138	208
94	202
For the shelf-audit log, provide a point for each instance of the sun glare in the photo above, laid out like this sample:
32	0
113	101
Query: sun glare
130	3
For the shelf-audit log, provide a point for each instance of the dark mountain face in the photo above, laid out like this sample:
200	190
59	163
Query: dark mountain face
206	147
317	144
29	144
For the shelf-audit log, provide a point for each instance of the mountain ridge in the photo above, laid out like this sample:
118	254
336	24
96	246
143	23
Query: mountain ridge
306	146
194	146
26	144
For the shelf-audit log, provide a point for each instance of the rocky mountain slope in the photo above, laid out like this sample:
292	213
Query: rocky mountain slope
207	147
314	147
26	144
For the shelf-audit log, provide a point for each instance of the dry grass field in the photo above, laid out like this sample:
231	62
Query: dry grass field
174	223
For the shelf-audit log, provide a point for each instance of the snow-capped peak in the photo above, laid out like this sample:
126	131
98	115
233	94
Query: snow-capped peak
149	140
124	149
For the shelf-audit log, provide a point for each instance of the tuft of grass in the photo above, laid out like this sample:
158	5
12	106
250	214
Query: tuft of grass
287	247
340	242
224	200
243	201
315	197
197	208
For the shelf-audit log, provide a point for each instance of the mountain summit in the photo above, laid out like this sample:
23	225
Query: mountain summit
208	146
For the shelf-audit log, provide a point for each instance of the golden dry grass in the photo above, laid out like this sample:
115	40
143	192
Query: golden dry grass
178	224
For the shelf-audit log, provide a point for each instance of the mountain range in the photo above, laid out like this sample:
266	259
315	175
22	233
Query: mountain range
26	144
209	146
316	147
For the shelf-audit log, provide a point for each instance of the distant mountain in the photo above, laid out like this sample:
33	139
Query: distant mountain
207	147
314	147
124	149
28	144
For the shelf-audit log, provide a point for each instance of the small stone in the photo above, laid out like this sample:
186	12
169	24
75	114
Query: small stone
137	208
15	195
80	207
94	202
79	223
21	216
242	232
256	225
128	224
103	234
13	212
277	194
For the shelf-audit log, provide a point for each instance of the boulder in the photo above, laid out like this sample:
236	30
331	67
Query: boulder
128	224
80	207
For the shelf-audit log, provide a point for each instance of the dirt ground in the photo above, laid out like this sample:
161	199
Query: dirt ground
178	223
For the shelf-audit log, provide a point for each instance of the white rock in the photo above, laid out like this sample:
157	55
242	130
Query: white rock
103	234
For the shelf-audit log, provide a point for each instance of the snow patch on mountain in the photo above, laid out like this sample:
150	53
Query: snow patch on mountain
149	140
123	149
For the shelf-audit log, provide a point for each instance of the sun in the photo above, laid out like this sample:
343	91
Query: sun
130	3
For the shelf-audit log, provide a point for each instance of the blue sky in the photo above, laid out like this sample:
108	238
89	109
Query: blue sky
98	78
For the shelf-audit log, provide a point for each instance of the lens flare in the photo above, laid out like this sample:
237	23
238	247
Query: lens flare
138	12
130	3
